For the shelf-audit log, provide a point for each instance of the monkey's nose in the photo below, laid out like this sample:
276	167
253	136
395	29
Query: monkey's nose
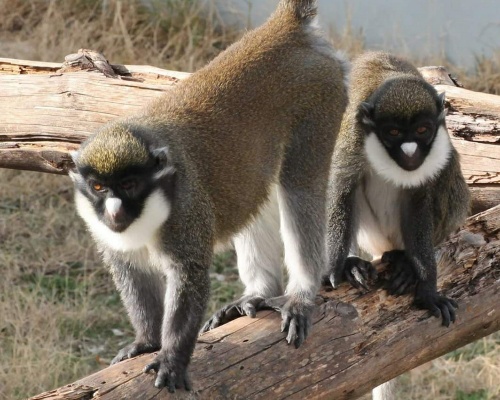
113	206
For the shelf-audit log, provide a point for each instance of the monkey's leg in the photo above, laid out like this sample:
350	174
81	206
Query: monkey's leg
302	229
402	277
142	293
186	298
417	229
259	251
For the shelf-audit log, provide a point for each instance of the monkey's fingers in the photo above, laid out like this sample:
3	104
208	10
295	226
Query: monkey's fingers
247	305
335	279
167	376
286	319
354	277
135	349
292	331
297	330
359	272
439	306
401	283
447	307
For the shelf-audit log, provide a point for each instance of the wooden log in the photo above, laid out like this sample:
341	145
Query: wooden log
49	108
357	342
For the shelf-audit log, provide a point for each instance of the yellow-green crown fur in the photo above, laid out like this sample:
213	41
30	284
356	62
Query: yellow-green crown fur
406	96
113	149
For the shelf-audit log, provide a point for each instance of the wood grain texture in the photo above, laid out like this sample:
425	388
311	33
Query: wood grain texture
370	335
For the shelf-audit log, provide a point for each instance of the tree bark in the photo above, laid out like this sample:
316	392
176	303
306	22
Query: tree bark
49	108
357	342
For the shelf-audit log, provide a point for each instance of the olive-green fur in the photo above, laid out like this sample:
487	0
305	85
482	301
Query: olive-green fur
113	149
404	97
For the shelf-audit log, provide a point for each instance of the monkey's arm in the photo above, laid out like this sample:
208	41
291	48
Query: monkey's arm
186	298
345	176
142	294
417	228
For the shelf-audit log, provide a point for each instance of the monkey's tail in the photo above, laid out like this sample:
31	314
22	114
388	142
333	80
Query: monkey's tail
303	10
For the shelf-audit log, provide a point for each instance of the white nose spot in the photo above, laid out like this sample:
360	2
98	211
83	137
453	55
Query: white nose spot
409	148
113	205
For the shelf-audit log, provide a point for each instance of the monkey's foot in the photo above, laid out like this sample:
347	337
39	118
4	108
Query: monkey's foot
402	276
168	374
296	316
439	306
359	272
134	349
247	305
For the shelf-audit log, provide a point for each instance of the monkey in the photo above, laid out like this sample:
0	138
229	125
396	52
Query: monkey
201	164
396	188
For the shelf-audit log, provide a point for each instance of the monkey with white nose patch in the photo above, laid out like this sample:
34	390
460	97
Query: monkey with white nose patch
396	188
203	165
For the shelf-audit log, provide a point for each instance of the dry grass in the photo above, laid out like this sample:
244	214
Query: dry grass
60	315
178	34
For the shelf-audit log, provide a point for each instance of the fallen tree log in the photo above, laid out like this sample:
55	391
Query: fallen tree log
357	342
49	108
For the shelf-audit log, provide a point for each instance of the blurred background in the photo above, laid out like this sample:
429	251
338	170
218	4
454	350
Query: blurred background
60	316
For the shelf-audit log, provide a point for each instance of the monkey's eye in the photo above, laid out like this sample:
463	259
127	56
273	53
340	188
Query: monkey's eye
98	187
422	129
128	184
394	132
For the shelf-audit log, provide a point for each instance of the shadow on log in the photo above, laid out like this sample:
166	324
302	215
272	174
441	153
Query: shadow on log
358	340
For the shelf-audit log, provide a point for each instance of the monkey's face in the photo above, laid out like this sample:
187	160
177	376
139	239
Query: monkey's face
123	204
406	138
118	200
408	142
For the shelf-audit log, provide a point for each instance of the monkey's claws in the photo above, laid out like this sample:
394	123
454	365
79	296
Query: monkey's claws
135	349
439	306
247	305
359	272
402	276
296	317
167	375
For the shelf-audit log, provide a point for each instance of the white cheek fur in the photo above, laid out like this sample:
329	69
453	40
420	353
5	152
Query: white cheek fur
388	169
139	234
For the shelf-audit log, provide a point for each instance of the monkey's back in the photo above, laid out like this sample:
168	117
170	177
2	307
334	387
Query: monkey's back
236	117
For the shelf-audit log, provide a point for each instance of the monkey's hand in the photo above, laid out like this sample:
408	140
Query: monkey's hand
359	272
402	276
428	299
169	373
134	349
296	316
247	305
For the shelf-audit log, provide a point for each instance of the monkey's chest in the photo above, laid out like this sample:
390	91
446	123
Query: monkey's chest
378	210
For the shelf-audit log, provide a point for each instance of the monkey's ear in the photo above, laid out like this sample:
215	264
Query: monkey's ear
73	173
365	115
163	162
442	107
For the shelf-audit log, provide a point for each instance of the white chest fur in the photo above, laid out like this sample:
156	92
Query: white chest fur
379	215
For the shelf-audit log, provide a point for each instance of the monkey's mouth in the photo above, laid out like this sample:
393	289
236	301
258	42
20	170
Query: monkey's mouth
410	163
117	225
